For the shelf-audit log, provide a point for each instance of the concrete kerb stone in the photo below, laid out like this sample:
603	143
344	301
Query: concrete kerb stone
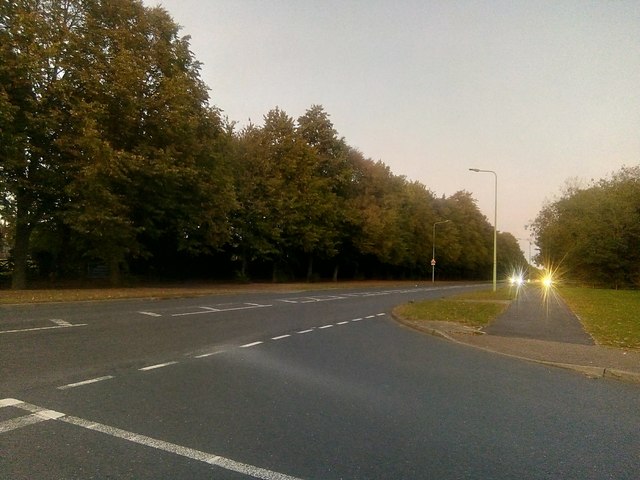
623	375
587	370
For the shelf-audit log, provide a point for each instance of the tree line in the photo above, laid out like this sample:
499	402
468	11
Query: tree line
112	156
591	234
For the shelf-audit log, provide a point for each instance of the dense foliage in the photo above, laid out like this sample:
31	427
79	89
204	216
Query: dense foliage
111	156
592	234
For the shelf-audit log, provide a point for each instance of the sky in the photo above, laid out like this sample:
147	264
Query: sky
541	92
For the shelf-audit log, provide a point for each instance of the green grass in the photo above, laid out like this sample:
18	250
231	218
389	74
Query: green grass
474	309
612	317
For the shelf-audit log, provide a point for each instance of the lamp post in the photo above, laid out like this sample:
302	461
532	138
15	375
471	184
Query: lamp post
495	224
433	253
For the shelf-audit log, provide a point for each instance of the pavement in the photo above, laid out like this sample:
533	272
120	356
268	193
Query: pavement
541	328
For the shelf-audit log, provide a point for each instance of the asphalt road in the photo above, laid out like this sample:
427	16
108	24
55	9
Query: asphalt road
313	385
541	314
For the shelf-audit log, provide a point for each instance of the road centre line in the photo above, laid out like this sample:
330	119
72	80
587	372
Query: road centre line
41	414
280	337
151	314
85	382
205	355
159	365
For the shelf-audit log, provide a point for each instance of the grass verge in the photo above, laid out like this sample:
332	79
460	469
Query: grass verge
611	317
474	309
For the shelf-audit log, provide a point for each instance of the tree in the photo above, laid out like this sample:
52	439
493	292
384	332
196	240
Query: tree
510	256
591	233
331	171
470	236
112	135
33	93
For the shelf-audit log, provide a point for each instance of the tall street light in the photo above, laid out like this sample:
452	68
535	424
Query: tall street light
495	225
433	254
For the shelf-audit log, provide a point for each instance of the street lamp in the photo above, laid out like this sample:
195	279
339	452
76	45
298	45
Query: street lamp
433	254
495	225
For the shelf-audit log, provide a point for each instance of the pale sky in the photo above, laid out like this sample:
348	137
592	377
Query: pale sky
538	91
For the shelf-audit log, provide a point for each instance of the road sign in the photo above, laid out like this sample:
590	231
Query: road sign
433	262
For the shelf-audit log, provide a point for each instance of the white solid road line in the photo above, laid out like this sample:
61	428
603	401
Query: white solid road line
40	414
85	382
15	423
35	329
159	365
247	306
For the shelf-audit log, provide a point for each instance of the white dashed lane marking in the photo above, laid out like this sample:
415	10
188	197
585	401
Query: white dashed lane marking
209	354
159	365
85	382
39	414
280	337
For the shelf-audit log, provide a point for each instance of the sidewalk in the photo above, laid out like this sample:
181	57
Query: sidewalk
544	330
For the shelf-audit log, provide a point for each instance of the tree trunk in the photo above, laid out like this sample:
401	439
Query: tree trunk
114	271
335	272
243	267
310	269
20	248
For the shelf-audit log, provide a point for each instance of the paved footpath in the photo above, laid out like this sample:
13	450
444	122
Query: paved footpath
541	328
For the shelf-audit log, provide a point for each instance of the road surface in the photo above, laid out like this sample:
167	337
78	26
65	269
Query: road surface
298	385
